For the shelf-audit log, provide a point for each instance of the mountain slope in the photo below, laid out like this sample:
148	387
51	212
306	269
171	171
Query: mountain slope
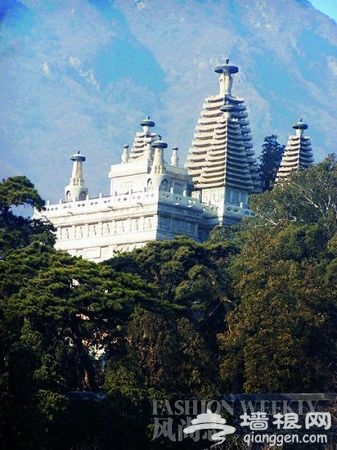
82	74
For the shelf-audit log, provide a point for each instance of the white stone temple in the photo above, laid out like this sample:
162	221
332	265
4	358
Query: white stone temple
149	199
152	197
297	154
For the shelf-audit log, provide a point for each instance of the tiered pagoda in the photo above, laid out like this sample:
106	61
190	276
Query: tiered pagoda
143	139
221	159
297	154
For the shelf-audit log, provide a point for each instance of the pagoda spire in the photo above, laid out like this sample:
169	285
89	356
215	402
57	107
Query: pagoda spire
76	189
226	178
149	150
125	154
208	122
297	154
175	157
226	72
158	166
143	138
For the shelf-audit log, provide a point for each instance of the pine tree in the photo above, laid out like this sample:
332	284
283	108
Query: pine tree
270	160
15	230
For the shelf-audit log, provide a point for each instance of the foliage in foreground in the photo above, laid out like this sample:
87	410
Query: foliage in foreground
252	310
281	337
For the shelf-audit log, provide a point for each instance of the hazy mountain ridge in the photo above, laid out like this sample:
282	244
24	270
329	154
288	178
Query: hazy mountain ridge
272	42
58	96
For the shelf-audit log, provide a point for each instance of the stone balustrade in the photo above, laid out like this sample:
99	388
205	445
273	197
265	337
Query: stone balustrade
123	201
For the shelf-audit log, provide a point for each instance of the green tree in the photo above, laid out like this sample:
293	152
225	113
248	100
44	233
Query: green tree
168	357
15	230
270	160
308	197
74	300
61	313
172	345
281	335
171	350
191	279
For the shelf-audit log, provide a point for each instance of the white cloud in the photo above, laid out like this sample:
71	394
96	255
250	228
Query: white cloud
332	63
74	61
45	68
140	4
87	74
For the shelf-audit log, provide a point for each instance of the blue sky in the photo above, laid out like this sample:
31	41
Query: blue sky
328	7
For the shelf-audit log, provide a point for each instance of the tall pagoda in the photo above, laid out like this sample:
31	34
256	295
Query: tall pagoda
297	154
221	159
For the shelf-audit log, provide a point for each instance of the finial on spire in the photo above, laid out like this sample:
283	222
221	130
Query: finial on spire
175	157
78	157
300	125
147	122
159	143
226	68
226	71
125	154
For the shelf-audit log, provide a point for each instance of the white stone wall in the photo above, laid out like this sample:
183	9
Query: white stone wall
100	227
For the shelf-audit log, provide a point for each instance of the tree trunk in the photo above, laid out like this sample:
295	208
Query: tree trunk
84	368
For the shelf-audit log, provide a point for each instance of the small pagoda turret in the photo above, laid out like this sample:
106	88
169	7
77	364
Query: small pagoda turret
76	189
298	153
143	140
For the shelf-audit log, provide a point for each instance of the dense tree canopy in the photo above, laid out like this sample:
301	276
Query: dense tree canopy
282	334
85	347
141	326
63	313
